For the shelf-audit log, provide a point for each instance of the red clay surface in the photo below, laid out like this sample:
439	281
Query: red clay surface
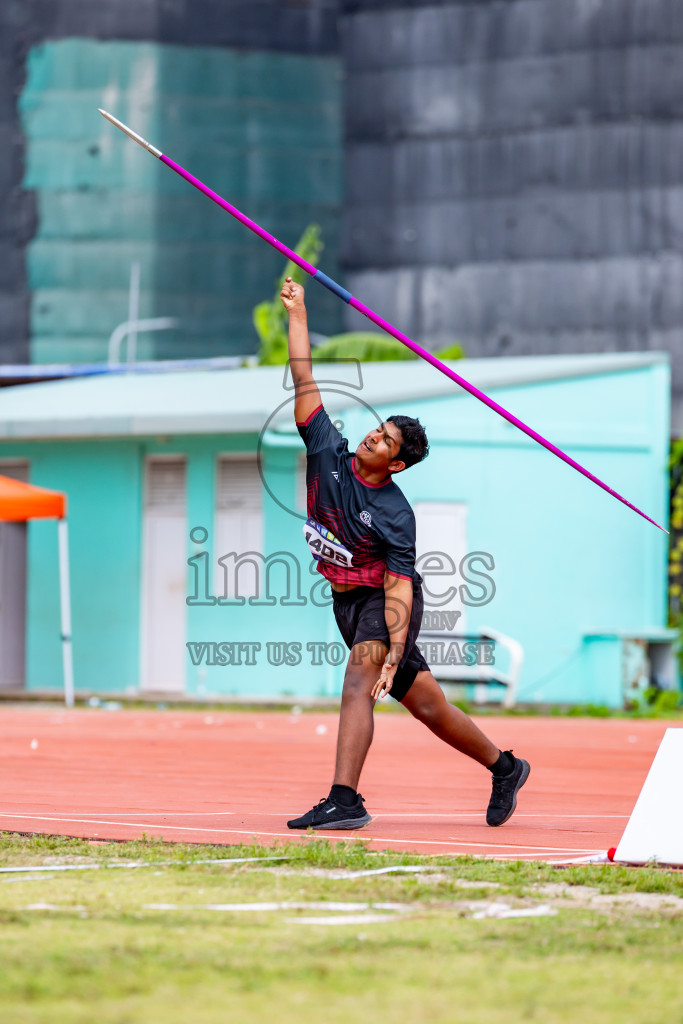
227	777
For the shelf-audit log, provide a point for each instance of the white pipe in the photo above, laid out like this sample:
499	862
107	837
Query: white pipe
65	608
158	323
133	310
516	652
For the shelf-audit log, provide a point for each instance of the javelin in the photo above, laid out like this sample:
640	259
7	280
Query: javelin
323	279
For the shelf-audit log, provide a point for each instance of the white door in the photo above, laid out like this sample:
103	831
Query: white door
164	576
238	527
13	591
441	545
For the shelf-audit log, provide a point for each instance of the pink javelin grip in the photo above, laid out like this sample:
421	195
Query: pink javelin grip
371	315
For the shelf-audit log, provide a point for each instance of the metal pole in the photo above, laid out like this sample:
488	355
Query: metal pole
133	310
65	608
157	323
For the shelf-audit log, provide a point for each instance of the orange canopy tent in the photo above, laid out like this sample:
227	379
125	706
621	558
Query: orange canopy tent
20	502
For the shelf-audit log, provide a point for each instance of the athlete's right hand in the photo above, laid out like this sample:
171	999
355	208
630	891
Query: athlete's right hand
386	680
292	295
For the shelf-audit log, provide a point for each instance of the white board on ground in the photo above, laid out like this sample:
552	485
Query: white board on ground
655	829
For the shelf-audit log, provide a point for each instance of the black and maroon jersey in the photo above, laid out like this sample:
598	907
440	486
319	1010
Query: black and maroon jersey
374	523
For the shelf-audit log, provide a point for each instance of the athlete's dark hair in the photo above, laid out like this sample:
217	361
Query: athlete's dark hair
415	445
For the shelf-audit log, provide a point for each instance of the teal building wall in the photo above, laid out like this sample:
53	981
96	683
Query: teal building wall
263	129
292	618
104	484
570	561
573	568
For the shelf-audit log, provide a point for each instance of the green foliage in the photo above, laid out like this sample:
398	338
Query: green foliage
665	701
366	346
164	944
589	711
270	322
450	352
676	542
657	703
270	317
654	703
371	347
285	858
676	526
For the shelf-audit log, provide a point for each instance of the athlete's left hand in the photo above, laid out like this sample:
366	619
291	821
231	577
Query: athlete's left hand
385	681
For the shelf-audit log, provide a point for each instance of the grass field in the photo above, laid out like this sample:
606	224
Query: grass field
178	938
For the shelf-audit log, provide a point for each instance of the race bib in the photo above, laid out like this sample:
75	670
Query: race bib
324	546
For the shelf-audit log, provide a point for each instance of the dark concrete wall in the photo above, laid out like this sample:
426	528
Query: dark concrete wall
514	172
290	26
282	26
514	168
17	206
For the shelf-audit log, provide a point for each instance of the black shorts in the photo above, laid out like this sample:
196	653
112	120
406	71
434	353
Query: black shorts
360	617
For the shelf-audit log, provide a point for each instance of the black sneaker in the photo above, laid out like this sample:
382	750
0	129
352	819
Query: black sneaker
504	794
328	814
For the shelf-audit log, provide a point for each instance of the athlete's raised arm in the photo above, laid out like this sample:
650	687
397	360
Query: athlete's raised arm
306	394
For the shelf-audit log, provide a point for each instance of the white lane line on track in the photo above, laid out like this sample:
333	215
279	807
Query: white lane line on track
130	824
151	814
490	846
385	815
478	814
510	846
534	856
292	835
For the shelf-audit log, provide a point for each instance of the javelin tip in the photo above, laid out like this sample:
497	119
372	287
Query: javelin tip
130	133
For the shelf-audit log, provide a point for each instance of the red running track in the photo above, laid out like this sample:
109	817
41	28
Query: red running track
227	777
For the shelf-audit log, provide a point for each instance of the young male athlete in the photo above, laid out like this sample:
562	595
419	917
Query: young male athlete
361	529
